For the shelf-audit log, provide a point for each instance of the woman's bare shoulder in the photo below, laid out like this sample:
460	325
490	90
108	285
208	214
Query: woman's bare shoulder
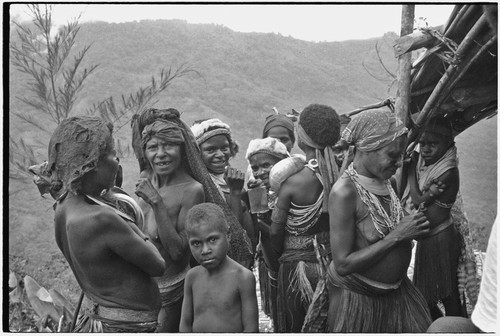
343	187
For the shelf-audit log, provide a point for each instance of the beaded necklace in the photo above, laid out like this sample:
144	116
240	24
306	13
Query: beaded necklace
381	220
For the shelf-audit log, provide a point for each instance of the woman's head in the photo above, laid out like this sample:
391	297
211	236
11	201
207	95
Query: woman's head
162	143
380	140
215	142
280	127
263	154
373	129
77	147
318	127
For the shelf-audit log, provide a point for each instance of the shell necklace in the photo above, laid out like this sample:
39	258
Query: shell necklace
381	220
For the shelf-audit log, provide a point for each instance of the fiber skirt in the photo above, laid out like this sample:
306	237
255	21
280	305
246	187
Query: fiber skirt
436	262
376	309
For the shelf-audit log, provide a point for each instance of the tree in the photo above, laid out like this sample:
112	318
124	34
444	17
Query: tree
44	56
56	81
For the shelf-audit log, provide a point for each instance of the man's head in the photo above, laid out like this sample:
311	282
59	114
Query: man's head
207	230
263	154
436	139
318	127
280	126
76	148
215	142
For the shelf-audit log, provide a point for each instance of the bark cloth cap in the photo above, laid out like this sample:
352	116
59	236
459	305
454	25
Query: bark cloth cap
373	129
163	129
206	129
75	147
267	145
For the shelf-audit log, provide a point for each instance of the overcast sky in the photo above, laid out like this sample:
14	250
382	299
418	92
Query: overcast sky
326	22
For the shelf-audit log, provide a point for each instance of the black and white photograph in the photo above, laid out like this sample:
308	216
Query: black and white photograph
250	167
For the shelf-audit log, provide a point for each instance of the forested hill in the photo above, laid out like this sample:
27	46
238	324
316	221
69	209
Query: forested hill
240	76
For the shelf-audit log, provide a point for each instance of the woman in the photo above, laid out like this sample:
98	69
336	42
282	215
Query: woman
280	127
174	179
433	183
370	237
300	218
167	192
217	147
112	260
262	155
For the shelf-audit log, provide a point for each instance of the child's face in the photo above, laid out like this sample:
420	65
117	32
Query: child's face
432	147
215	153
208	244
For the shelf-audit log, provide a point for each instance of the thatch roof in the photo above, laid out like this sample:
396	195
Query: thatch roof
456	76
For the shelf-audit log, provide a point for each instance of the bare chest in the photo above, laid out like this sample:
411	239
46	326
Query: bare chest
216	295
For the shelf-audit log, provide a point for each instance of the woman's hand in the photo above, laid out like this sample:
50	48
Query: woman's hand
412	227
254	183
145	190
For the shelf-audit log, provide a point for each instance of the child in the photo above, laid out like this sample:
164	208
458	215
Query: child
219	294
433	184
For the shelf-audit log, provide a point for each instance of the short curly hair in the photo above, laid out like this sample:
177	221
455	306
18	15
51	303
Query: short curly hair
206	214
321	123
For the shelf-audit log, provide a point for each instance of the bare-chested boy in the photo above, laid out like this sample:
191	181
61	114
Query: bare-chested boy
219	295
110	257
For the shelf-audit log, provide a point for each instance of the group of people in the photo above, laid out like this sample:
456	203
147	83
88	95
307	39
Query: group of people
332	238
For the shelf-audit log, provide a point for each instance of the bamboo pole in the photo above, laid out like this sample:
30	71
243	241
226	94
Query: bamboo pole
465	67
430	105
404	70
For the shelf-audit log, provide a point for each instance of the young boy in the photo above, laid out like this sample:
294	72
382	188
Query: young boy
219	294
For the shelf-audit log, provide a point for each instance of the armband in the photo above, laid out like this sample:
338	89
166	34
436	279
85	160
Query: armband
443	205
279	216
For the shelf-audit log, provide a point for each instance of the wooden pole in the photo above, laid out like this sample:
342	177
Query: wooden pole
430	105
404	71
416	40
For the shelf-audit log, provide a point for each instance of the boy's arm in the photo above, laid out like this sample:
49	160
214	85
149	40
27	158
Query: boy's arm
249	306
186	324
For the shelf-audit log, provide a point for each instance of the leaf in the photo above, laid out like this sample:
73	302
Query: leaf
44	295
42	308
13	283
61	301
15	295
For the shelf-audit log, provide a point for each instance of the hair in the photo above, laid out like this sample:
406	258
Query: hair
321	123
440	127
206	214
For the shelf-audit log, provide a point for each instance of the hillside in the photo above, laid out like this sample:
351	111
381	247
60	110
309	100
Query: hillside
241	76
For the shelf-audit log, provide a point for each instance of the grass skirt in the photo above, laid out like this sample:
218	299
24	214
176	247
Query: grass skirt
436	258
298	275
268	289
363	308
